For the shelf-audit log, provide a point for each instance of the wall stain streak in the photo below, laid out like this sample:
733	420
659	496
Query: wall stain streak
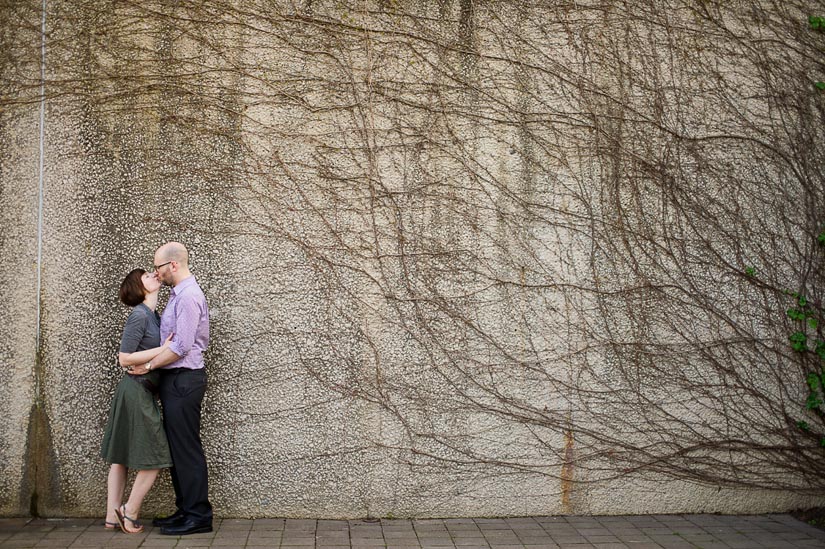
567	472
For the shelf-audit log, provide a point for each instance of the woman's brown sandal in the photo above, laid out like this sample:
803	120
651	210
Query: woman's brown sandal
110	525
122	518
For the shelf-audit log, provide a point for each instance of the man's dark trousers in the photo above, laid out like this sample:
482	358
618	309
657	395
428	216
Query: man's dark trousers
181	393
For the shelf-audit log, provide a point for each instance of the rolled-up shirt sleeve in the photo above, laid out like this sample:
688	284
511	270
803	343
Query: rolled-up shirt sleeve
187	314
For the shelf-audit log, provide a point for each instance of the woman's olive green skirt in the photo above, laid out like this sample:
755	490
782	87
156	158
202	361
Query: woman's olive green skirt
134	434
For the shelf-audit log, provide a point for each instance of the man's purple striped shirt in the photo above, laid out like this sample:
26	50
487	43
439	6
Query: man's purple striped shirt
187	316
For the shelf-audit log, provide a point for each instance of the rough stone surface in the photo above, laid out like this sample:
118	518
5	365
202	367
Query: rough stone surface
443	281
19	161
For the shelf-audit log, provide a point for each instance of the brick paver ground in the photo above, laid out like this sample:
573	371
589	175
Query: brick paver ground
638	532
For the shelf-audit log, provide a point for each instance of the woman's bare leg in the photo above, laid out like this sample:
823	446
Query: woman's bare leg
115	485
143	482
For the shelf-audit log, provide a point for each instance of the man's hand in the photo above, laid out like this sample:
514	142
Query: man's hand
137	370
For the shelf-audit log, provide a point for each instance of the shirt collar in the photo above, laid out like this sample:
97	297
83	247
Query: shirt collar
182	285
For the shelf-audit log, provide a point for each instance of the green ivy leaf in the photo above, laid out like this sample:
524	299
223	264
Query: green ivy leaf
819	349
802	300
813	381
812	322
795	314
750	271
803	425
798	341
821	237
813	402
822	442
819	85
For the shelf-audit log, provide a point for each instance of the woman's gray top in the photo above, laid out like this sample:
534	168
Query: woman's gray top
142	330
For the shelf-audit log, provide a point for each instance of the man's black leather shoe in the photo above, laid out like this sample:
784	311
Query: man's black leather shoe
172	519
186	527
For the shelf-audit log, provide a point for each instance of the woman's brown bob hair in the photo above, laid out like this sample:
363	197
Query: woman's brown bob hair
132	290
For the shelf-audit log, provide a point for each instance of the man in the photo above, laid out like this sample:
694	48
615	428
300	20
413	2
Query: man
182	386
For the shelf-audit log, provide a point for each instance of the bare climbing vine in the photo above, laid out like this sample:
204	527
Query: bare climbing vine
534	239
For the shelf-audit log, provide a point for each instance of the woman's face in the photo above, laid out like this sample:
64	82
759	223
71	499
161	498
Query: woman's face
150	282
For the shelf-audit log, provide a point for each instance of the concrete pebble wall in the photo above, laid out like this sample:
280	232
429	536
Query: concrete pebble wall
408	222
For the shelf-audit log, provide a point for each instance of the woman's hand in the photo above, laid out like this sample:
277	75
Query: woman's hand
168	341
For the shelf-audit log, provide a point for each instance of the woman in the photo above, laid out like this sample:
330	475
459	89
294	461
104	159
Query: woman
134	437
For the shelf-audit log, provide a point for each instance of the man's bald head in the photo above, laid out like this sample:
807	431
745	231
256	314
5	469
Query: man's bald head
172	263
173	251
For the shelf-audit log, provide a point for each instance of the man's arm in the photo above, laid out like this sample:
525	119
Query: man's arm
142	357
165	357
187	316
